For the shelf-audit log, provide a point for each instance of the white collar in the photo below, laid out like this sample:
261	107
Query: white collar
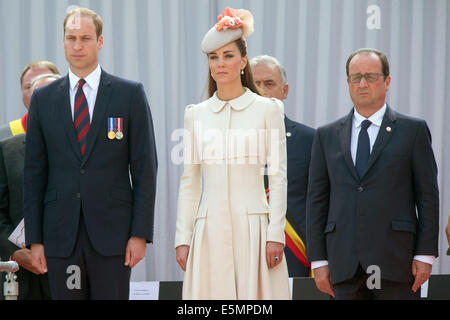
93	79
376	118
239	103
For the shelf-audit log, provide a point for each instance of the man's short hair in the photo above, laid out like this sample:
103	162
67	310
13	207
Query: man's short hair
381	55
266	60
39	65
44	76
85	12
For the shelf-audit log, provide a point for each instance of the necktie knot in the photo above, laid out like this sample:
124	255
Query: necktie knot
365	124
81	83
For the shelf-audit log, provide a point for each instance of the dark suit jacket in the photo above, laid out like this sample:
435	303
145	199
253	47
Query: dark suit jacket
299	140
385	218
11	198
5	131
59	181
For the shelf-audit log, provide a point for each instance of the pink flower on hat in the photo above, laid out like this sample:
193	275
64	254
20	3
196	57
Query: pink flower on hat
228	20
235	19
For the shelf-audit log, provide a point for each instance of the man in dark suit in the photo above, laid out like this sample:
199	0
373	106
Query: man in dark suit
270	77
89	134
373	200
32	285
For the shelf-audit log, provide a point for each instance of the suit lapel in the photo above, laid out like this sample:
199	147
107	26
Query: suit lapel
63	106
382	139
290	130
345	134
98	118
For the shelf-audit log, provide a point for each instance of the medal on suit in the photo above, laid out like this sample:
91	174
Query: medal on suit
119	133
111	129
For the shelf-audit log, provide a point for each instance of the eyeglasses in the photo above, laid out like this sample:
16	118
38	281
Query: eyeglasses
370	77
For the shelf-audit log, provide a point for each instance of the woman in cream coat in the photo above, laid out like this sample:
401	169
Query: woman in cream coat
229	239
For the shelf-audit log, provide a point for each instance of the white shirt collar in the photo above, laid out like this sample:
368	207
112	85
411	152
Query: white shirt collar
92	80
239	103
376	118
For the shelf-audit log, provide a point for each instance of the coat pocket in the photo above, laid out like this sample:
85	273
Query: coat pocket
408	226
258	211
121	194
50	196
201	214
330	227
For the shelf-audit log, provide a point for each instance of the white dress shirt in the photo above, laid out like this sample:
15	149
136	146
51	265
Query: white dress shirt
372	131
90	89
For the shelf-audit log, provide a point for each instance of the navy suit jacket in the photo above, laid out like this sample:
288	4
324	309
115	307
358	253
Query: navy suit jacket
114	182
384	218
299	140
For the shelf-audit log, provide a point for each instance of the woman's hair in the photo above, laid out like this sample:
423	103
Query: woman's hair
246	78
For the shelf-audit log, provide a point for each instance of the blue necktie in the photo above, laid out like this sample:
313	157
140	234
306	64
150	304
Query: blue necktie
363	150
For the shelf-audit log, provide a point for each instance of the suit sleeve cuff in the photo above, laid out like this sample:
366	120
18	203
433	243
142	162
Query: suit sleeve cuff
426	259
318	264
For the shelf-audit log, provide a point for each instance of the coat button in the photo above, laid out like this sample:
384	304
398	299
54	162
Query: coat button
82	171
78	195
360	189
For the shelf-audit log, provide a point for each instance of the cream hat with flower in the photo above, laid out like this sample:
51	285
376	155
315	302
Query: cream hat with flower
233	24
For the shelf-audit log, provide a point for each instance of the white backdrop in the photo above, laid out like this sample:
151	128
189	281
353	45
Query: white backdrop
157	42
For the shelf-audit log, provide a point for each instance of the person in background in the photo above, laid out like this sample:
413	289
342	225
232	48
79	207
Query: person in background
271	80
31	71
447	232
32	284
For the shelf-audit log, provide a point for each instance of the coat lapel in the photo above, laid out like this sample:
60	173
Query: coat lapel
98	118
290	130
63	105
345	135
382	139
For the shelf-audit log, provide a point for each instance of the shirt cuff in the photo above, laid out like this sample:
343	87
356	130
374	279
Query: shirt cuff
318	264
426	259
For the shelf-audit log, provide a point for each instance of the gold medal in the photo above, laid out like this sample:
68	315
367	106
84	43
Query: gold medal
111	135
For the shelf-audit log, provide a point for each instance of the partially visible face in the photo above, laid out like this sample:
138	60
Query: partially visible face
269	81
81	45
226	63
41	83
26	83
365	94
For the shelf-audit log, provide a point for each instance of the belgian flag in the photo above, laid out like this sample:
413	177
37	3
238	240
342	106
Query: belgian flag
293	235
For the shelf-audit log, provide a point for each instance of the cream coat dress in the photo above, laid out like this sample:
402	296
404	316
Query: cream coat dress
223	213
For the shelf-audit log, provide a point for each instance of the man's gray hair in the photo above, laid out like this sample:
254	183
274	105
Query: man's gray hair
269	60
43	76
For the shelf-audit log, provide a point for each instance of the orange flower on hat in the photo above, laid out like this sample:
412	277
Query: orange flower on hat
234	19
228	20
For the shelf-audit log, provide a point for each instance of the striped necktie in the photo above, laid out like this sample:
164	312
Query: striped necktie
81	116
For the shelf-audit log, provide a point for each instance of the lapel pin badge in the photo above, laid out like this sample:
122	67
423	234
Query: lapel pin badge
288	134
388	129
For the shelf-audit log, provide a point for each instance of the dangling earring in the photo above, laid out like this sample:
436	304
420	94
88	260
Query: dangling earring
242	71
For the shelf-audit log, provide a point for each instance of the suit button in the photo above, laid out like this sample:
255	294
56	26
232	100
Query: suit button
360	189
78	195
82	171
